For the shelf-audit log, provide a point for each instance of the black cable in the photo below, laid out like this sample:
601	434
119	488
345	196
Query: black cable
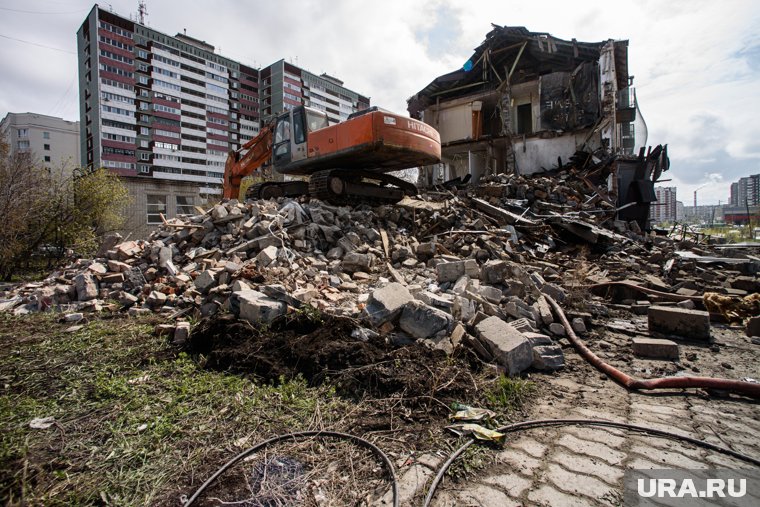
540	423
295	436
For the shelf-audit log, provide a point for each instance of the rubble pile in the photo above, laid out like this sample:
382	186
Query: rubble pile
469	268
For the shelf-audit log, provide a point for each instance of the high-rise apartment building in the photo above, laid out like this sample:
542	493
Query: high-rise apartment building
665	209
285	86
163	112
52	142
157	106
746	191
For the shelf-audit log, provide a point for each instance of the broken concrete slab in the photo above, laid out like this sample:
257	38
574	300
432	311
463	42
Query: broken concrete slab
509	347
255	306
688	324
654	348
86	287
548	357
423	321
386	303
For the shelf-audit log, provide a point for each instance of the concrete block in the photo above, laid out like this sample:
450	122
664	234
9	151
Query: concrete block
544	311
386	303
509	347
219	211
449	271
354	261
689	324
423	321
267	256
548	357
494	271
156	299
255	306
205	280
86	287
655	349
181	333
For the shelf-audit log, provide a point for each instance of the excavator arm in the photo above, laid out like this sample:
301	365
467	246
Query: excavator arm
257	152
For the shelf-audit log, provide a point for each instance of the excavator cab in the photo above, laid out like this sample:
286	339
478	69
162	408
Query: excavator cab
291	133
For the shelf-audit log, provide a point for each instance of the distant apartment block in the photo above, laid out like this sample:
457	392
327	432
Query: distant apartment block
745	192
169	109
666	208
51	141
285	86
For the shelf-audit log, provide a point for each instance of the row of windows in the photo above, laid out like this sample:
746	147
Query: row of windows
164	84
168	98
156	204
117	124
214	109
217	142
215	88
292	86
106	96
218	121
168	61
216	131
165	109
166	133
291	97
118	110
118	137
217	78
249	97
115	70
115	164
117	84
216	66
118	151
115	29
166	146
163	156
216	99
118	58
166	121
116	43
166	72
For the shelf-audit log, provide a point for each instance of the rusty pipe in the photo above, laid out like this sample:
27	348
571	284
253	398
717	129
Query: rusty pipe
749	389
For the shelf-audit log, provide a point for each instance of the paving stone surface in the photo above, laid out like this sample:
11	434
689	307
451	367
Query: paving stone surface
583	465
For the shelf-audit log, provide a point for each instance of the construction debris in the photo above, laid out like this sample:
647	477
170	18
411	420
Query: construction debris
467	269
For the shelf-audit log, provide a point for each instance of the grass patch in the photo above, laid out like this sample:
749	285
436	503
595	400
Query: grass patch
136	422
509	394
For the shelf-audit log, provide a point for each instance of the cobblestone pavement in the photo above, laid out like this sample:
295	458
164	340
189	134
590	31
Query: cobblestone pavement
584	466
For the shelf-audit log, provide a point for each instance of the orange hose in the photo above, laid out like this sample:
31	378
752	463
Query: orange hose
749	389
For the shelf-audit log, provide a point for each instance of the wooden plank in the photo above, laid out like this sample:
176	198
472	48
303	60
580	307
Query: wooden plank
386	243
501	214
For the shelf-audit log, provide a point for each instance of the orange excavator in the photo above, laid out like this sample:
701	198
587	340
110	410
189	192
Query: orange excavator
346	163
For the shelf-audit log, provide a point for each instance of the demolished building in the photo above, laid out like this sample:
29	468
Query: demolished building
527	102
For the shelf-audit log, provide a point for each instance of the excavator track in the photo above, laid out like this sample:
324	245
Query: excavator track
275	189
350	187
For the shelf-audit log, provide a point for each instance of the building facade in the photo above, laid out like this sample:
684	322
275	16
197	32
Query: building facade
666	208
745	192
51	141
157	107
285	86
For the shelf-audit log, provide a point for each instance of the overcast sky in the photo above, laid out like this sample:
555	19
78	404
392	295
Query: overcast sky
697	63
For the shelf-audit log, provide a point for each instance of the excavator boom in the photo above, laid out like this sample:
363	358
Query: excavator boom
257	152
